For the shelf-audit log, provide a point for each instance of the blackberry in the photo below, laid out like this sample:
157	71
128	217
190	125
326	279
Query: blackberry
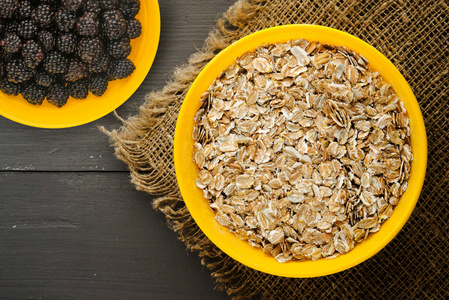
55	63
58	95
78	89
90	49
73	5
66	43
25	9
99	66
8	8
2	69
47	40
12	27
65	20
133	28
130	8
98	85
120	69
43	15
44	79
92	6
114	24
76	71
32	54
11	42
109	4
27	29
18	72
87	25
119	49
34	94
9	88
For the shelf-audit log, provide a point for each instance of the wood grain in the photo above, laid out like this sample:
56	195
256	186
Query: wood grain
71	224
90	235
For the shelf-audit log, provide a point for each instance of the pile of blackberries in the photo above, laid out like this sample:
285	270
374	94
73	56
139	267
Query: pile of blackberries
59	48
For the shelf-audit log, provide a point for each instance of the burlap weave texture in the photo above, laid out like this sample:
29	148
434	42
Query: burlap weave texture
413	35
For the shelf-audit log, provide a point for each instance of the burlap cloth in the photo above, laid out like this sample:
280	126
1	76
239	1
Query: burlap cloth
414	36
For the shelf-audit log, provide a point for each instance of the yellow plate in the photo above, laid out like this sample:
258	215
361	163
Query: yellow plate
78	112
186	170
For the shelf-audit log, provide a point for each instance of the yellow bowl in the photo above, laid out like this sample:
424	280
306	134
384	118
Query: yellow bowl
186	170
78	112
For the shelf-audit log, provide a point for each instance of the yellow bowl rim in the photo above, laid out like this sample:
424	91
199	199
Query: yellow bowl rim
186	171
79	112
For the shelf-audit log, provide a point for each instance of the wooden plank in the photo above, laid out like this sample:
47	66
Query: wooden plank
90	235
185	26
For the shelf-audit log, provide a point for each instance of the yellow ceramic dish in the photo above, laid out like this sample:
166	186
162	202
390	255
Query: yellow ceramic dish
78	112
186	170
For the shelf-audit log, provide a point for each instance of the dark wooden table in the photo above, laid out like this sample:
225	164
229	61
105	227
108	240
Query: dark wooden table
72	226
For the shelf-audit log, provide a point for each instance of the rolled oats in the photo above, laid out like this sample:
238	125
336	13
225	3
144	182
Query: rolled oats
303	149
